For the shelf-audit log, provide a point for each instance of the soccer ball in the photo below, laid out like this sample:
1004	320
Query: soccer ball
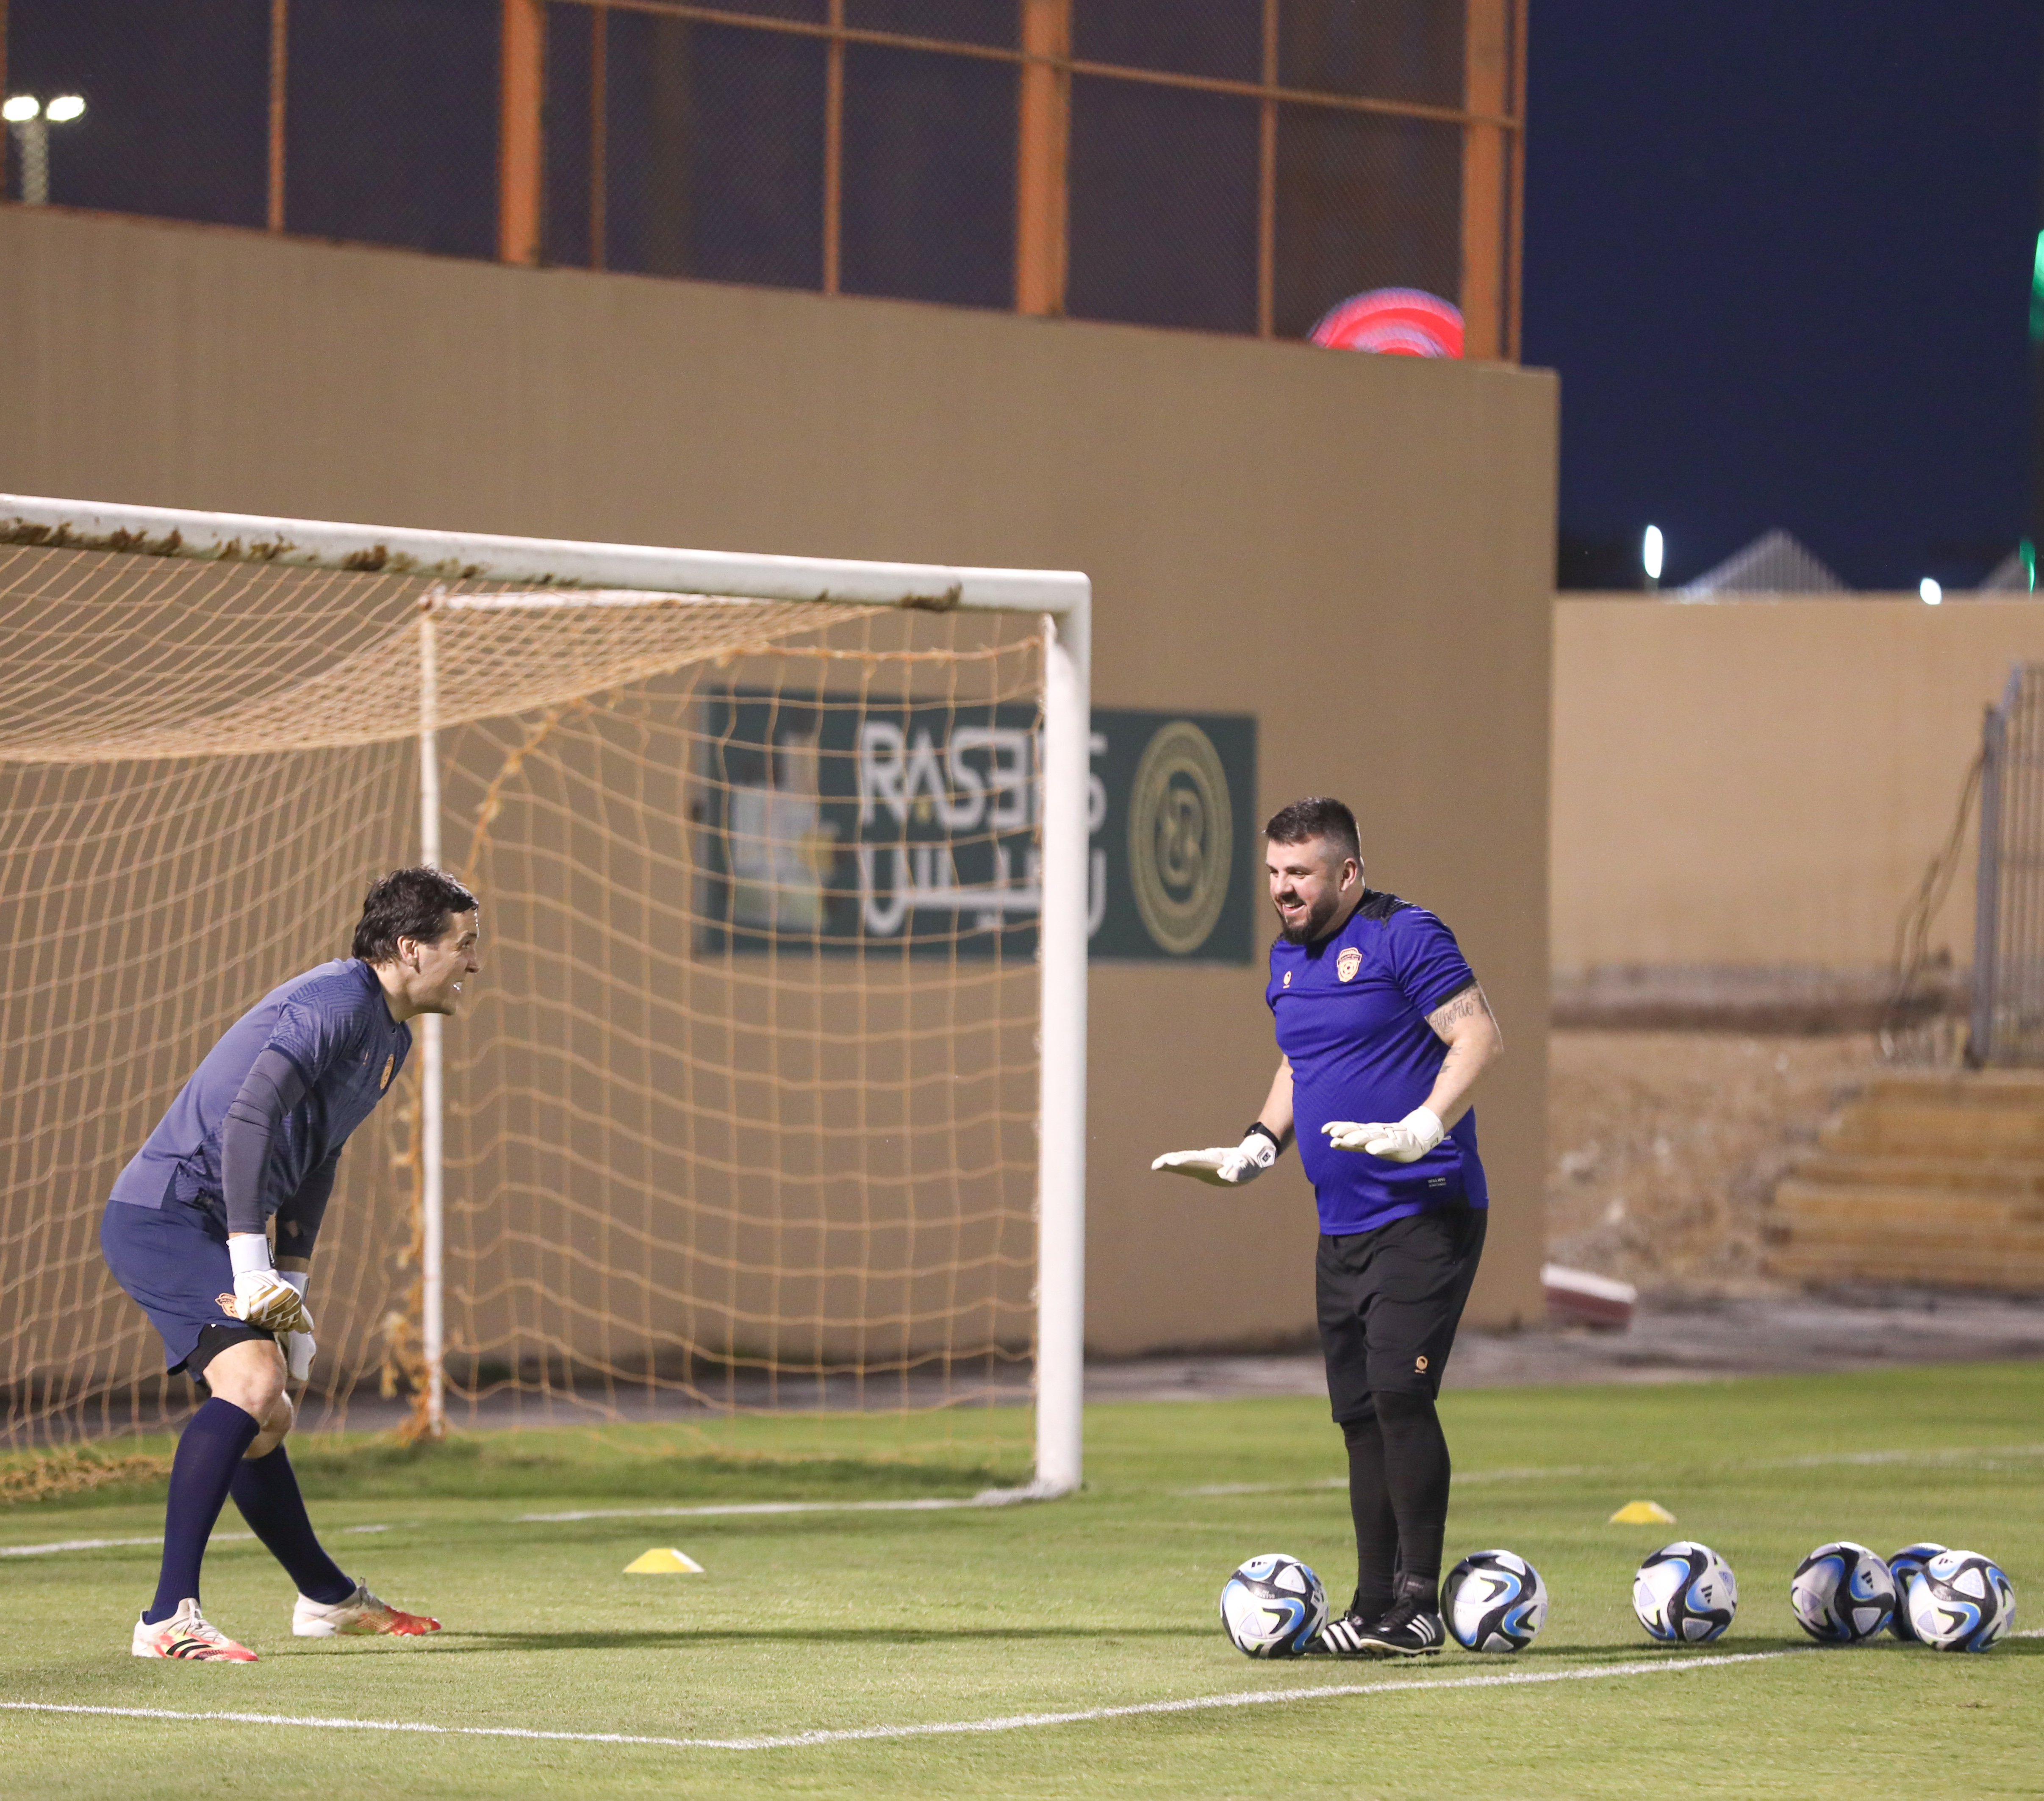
1493	1601
1842	1593
1273	1607
1959	1601
1905	1566
1684	1594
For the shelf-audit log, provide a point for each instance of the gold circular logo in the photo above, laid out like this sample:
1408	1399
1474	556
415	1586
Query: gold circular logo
1181	837
1348	962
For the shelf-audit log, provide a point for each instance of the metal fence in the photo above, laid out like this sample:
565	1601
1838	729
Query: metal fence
2008	1025
1234	166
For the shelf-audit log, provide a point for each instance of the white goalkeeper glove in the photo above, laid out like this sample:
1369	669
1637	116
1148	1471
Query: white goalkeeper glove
299	1350
1225	1166
261	1297
1406	1141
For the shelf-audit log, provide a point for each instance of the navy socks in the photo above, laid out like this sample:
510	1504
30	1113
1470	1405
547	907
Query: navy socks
209	1454
266	1489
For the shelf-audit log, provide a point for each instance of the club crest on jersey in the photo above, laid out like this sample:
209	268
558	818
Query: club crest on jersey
390	1063
1348	962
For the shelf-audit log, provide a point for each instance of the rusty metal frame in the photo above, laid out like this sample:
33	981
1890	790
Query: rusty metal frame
280	69
599	134
1071	65
1266	181
834	146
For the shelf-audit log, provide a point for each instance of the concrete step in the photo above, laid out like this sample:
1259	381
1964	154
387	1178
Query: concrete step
1975	1089
1989	1217
1909	1129
1900	1262
2010	1176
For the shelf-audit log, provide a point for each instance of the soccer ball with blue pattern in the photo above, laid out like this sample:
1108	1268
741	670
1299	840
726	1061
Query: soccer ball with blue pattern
1685	1593
1905	1566
1960	1601
1842	1593
1493	1601
1273	1607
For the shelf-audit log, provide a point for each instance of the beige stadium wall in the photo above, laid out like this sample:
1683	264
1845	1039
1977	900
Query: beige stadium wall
1357	550
1763	782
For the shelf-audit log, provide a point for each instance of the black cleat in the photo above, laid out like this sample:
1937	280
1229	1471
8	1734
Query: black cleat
1411	1629
1342	1637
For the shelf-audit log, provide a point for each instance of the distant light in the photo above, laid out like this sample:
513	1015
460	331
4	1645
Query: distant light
1650	550
1932	593
2036	289
20	109
66	106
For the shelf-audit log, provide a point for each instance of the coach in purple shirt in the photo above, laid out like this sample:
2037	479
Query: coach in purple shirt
1383	1031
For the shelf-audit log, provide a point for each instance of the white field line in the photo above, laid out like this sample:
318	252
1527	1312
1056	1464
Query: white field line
1007	1723
103	1544
986	1498
1982	1457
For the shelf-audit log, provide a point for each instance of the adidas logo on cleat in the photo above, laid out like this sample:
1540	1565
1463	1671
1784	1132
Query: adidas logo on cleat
187	1637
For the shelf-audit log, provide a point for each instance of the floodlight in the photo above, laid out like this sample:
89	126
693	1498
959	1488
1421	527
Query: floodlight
1933	594
20	109
1650	550
64	107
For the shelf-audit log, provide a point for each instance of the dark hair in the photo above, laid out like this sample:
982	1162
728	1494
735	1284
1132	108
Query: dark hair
412	903
1316	816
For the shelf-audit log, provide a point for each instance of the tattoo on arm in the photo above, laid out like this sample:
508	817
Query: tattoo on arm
1456	1008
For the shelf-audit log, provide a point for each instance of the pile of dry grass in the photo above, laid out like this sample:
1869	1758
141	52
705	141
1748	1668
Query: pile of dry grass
73	1470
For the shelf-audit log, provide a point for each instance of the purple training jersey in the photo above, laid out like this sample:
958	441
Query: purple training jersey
1351	1013
334	1025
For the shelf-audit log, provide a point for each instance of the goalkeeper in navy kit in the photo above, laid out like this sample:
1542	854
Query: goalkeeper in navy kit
256	1133
1383	1031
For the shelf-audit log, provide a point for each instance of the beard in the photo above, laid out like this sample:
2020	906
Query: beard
1316	922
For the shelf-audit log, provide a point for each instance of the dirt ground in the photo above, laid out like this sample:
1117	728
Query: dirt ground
1663	1147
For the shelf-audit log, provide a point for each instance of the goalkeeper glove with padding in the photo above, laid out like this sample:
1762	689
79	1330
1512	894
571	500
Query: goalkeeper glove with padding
1404	1140
261	1297
299	1350
1225	1166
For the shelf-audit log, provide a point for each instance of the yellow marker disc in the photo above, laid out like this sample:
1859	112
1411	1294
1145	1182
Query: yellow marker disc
664	1562
1642	1513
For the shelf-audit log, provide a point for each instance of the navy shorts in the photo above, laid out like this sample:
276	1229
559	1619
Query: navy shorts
1390	1300
173	1260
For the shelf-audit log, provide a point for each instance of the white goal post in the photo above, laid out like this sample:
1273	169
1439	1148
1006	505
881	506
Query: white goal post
634	575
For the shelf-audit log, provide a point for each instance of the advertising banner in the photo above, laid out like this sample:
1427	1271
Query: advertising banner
839	825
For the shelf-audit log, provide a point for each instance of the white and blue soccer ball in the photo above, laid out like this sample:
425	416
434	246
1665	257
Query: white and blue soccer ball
1273	1607
1685	1593
1960	1601
1842	1592
1905	1566
1493	1601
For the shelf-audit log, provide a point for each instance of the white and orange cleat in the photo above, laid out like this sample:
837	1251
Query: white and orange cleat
186	1634
360	1613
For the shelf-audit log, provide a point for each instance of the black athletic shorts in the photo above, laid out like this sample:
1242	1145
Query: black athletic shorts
1389	1302
214	1338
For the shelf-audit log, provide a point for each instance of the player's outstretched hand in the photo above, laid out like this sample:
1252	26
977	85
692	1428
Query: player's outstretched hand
1404	1141
264	1298
1223	1165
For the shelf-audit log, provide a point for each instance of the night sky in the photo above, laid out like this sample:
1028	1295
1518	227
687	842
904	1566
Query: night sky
1780	255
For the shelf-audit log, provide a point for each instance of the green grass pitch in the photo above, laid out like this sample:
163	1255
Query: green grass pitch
837	1622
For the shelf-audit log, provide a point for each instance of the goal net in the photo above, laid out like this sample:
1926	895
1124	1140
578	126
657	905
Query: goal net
769	1097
